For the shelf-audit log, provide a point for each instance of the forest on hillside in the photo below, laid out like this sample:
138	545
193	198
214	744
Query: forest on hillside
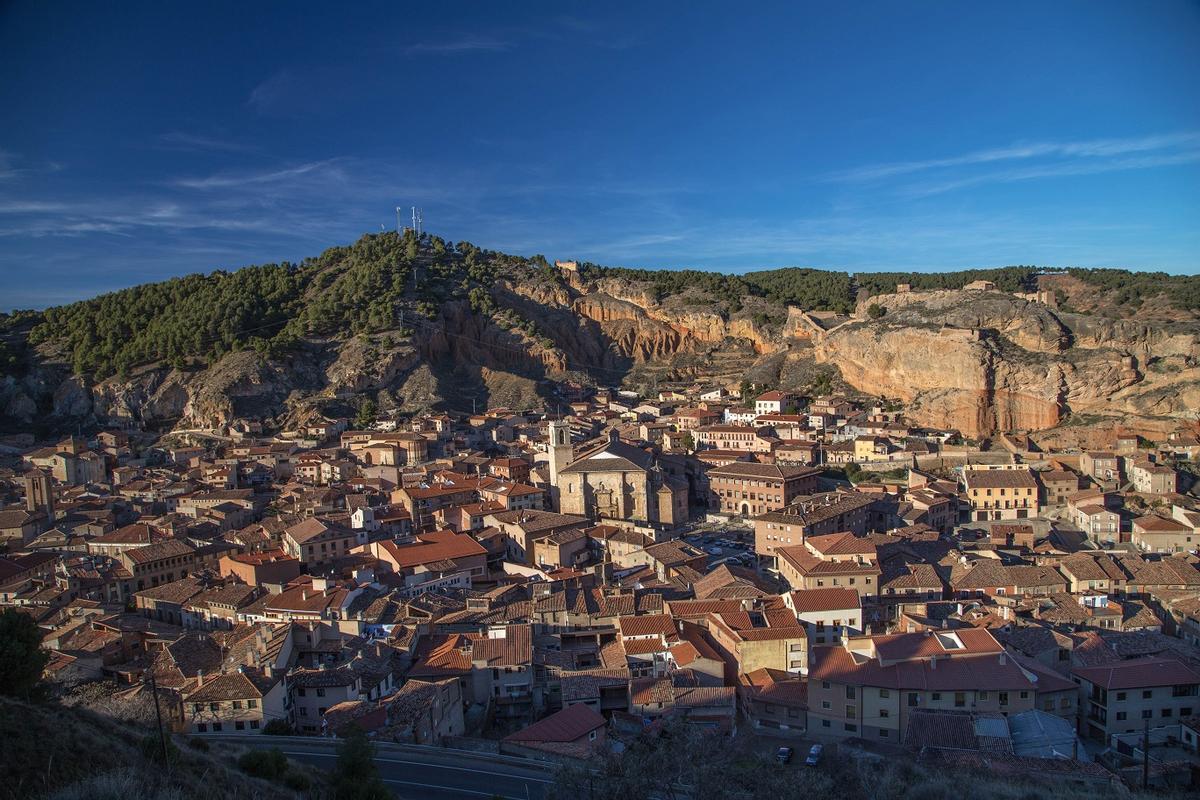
359	288
368	286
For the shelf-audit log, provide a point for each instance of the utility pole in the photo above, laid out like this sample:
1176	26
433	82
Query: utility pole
1145	753
162	737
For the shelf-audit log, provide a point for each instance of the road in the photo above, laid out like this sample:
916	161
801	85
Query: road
419	772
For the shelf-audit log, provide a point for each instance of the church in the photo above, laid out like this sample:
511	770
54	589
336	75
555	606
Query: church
614	482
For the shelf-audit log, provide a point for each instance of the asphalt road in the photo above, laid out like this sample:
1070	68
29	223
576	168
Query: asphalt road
431	774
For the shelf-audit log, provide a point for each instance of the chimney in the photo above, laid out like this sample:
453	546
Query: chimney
199	678
1003	658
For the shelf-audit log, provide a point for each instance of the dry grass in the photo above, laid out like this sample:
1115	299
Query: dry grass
49	751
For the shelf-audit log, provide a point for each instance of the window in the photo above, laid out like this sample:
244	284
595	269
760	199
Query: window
883	713
826	704
216	727
1147	694
913	698
884	693
237	703
213	706
983	695
850	692
1166	712
241	726
202	728
1120	695
1004	698
825	723
851	727
935	696
254	724
1024	695
960	699
592	736
1148	713
851	711
196	708
824	684
883	732
251	704
1120	715
320	692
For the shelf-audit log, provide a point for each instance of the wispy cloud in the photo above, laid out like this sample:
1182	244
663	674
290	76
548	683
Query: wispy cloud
1020	151
1068	169
192	142
464	44
228	180
7	170
273	95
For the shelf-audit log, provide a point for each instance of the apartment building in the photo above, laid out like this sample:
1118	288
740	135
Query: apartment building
767	635
827	614
1103	466
1001	493
738	438
832	561
317	543
1156	534
811	515
1057	485
154	564
1125	696
1151	478
243	701
869	687
747	488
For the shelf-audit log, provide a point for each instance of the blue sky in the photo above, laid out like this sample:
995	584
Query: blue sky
145	140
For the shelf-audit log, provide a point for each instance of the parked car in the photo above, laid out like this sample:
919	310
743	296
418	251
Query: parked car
714	551
784	755
814	756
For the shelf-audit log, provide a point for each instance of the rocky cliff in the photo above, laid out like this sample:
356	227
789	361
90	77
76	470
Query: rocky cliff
985	361
979	361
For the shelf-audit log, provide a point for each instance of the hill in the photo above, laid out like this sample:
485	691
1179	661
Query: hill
50	751
423	323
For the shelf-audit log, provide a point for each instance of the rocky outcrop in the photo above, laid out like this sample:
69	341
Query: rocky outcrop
984	362
978	361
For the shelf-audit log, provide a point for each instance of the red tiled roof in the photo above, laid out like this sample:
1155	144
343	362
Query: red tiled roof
647	625
432	549
1138	673
568	725
832	599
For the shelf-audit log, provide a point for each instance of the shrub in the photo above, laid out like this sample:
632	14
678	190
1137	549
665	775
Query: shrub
152	749
196	743
278	727
875	311
297	782
269	764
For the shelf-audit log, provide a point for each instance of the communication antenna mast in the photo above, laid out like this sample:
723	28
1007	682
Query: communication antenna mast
416	220
397	219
